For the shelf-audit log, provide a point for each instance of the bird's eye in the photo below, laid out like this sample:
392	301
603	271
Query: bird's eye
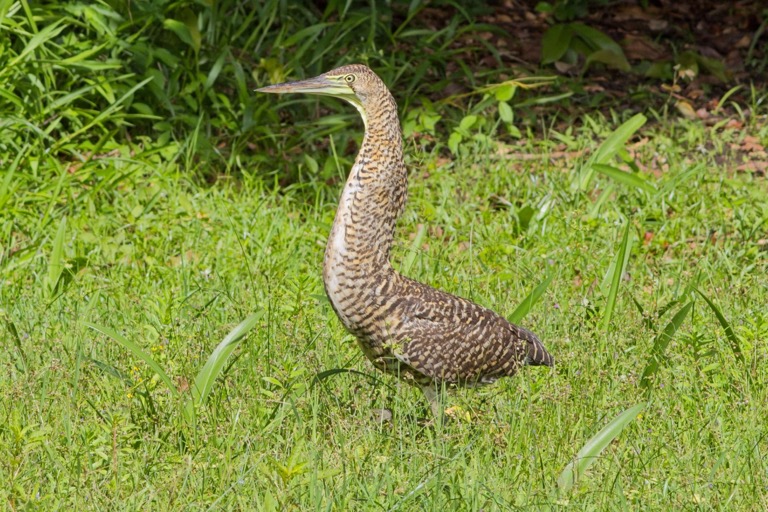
349	79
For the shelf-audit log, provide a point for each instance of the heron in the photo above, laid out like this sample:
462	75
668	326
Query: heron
425	336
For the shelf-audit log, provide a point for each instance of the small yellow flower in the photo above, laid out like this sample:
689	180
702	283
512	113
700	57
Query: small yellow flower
458	413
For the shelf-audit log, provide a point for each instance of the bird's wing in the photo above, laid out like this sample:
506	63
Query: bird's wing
454	340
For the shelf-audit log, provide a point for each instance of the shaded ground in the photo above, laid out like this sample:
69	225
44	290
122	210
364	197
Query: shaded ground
731	33
724	31
685	56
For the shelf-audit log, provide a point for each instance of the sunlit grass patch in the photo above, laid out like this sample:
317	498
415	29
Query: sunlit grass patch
174	265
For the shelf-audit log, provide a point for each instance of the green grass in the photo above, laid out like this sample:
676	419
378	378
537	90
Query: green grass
173	265
167	344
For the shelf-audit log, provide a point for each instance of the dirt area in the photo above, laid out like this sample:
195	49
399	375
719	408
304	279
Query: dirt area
686	55
715	46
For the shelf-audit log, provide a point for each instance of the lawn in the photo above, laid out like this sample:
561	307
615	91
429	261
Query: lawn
175	264
125	261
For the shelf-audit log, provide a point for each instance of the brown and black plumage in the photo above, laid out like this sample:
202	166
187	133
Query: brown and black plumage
423	335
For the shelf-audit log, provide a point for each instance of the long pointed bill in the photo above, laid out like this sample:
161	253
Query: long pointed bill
317	85
320	85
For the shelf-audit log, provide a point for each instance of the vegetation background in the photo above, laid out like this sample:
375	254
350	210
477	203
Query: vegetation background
593	169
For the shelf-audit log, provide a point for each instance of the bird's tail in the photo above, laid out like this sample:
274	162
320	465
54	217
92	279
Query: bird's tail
536	354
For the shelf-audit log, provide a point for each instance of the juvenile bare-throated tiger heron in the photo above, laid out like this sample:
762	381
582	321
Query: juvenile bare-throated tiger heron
406	328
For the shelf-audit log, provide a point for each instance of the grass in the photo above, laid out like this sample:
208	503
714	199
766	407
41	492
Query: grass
167	343
174	265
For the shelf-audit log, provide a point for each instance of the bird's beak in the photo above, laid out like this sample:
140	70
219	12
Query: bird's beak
317	85
323	85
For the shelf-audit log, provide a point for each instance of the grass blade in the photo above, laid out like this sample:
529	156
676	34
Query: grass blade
619	267
46	34
532	298
56	264
608	149
6	189
732	337
136	350
104	114
320	377
207	376
616	140
592	449
625	178
413	250
727	95
661	342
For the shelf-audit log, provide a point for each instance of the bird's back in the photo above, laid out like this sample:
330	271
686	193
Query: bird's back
428	335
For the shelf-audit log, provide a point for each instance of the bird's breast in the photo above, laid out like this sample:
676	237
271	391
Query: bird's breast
357	253
344	269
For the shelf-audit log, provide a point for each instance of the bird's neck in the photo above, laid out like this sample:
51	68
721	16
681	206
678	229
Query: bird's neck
372	200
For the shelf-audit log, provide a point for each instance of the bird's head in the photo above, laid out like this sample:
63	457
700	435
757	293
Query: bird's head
355	83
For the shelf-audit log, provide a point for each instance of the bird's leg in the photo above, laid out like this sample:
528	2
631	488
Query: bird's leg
431	394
